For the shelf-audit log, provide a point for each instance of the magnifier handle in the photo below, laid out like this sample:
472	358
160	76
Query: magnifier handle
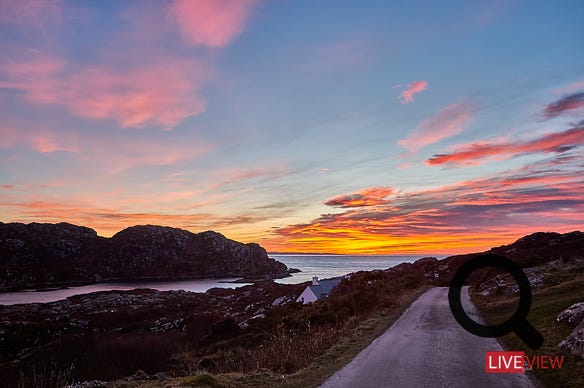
529	334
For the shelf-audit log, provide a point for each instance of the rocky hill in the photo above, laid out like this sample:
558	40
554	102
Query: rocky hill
48	255
528	251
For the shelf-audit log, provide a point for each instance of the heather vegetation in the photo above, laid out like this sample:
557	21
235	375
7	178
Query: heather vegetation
258	335
116	334
296	334
562	284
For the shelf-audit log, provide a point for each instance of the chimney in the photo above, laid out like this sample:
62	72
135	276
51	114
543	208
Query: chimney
315	280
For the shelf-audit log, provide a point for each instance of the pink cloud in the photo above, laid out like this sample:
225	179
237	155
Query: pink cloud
137	81
567	103
553	142
162	94
39	140
571	88
407	95
110	154
449	121
47	144
212	23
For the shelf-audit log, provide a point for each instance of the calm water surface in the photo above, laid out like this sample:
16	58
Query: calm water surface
327	266
322	266
53	295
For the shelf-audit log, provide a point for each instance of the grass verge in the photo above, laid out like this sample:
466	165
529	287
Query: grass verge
547	303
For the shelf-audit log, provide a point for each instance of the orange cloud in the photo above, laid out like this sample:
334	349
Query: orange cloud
212	23
407	95
107	221
447	122
372	196
468	216
111	218
553	142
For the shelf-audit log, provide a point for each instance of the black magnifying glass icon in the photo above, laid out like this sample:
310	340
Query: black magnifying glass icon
517	323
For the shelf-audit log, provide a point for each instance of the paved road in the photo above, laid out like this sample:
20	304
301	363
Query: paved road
426	347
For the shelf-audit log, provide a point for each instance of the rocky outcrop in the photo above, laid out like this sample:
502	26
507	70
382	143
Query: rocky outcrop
574	343
529	251
45	255
83	327
543	247
573	315
504	283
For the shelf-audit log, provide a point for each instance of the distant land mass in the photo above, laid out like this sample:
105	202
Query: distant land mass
39	255
307	253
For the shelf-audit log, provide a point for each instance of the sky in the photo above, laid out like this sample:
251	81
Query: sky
361	127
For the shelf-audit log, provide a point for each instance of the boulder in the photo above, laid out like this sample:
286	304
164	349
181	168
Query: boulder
574	343
573	315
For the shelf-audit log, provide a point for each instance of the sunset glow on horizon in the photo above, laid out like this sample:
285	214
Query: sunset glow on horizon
332	127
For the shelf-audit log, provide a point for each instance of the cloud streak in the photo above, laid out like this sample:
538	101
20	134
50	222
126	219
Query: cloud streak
373	196
471	214
565	104
477	152
448	122
407	95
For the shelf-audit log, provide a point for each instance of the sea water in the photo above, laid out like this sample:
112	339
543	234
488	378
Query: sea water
328	266
321	266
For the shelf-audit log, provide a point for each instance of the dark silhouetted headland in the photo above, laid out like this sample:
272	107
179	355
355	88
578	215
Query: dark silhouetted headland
48	255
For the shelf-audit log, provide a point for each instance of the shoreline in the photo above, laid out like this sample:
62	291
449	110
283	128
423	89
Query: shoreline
67	285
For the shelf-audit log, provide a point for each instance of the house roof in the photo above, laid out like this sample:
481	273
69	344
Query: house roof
324	287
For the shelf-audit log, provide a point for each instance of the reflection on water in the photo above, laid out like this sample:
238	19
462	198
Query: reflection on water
31	296
327	266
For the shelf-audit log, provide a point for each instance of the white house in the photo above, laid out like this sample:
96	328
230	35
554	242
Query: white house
318	290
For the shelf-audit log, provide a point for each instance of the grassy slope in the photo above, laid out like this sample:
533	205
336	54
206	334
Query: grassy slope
566	288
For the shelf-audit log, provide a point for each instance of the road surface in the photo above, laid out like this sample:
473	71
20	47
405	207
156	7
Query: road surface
426	347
